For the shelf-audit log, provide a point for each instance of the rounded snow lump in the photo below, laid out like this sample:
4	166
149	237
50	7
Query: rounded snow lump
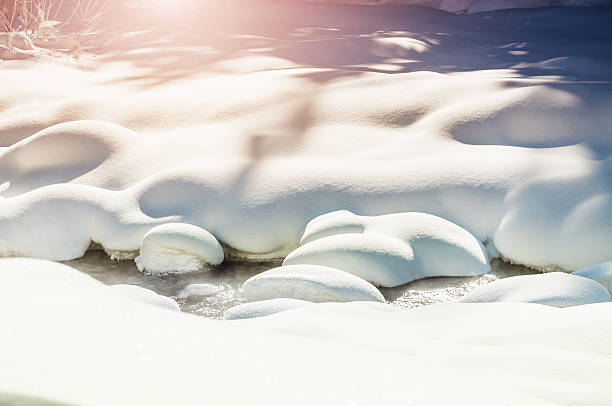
601	273
553	289
263	308
390	250
178	248
199	290
309	282
146	296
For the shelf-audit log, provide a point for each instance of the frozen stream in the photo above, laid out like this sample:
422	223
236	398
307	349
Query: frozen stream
227	279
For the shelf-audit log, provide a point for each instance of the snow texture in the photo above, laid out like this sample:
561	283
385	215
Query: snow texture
199	290
293	110
309	282
552	289
474	6
263	308
146	296
390	250
178	248
601	273
520	354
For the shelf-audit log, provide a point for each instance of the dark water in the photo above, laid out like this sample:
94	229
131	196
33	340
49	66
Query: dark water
225	282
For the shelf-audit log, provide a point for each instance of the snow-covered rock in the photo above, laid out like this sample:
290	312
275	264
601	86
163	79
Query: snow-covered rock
390	250
601	273
263	308
311	283
552	289
199	289
146	296
178	248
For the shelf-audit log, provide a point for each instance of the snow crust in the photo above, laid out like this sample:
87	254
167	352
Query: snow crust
601	273
390	250
263	308
146	296
518	353
312	283
178	248
552	289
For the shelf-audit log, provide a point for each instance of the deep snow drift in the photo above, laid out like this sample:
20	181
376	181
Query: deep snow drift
488	121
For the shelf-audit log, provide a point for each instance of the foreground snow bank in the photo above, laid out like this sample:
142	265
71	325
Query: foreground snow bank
309	282
525	354
178	248
146	296
263	308
552	289
390	250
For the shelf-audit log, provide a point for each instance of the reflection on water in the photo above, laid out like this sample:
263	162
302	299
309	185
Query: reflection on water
229	276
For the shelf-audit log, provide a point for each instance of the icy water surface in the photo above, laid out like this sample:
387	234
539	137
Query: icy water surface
227	279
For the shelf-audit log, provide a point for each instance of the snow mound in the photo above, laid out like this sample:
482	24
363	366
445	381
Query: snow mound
601	273
199	290
146	296
260	152
309	282
390	250
556	289
263	308
178	248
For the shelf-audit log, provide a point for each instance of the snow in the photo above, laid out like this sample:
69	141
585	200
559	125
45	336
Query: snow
146	296
199	289
263	308
178	248
474	6
552	289
345	351
510	147
251	119
601	273
390	250
309	282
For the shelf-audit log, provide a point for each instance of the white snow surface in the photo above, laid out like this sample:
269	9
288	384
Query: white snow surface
251	124
313	283
390	250
145	295
178	248
198	290
263	308
474	6
552	289
515	353
601	273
